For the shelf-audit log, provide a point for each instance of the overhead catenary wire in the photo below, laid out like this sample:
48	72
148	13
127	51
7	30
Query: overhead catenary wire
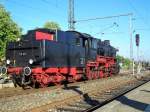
139	14
106	17
37	9
109	27
56	6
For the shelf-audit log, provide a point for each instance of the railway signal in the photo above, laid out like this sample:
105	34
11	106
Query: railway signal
137	39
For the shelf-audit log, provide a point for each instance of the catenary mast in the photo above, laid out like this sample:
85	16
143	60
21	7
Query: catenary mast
71	21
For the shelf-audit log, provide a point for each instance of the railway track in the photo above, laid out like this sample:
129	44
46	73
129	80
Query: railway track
118	93
77	96
97	100
92	99
9	92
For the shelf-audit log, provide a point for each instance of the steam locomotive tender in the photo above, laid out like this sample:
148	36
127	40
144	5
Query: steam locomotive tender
44	57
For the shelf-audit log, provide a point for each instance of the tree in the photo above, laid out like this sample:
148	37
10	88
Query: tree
52	25
9	30
126	63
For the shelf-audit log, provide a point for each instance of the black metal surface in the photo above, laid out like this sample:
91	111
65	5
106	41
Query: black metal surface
20	52
68	49
58	55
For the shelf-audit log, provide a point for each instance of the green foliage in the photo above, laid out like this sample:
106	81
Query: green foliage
126	63
9	31
119	58
52	25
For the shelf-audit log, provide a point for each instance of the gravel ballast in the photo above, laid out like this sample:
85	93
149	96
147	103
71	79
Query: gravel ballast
26	102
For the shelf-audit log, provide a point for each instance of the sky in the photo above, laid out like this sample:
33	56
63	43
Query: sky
29	14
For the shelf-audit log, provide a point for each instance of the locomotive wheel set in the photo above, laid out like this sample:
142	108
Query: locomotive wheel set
46	57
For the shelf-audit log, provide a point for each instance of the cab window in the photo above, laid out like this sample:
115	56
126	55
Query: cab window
78	41
94	43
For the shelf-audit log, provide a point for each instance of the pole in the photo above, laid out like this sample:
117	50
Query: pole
138	60
131	43
138	53
139	63
71	21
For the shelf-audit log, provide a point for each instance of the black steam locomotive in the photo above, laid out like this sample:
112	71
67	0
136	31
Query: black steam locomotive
43	57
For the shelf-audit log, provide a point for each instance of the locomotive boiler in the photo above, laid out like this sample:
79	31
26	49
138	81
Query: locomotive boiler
49	57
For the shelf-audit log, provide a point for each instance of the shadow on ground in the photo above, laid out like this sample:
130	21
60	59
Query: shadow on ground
85	96
123	99
132	103
146	91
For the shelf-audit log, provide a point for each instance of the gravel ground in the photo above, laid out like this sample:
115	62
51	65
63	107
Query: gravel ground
26	102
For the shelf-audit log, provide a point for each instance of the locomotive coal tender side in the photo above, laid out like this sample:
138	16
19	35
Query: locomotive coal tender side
43	57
